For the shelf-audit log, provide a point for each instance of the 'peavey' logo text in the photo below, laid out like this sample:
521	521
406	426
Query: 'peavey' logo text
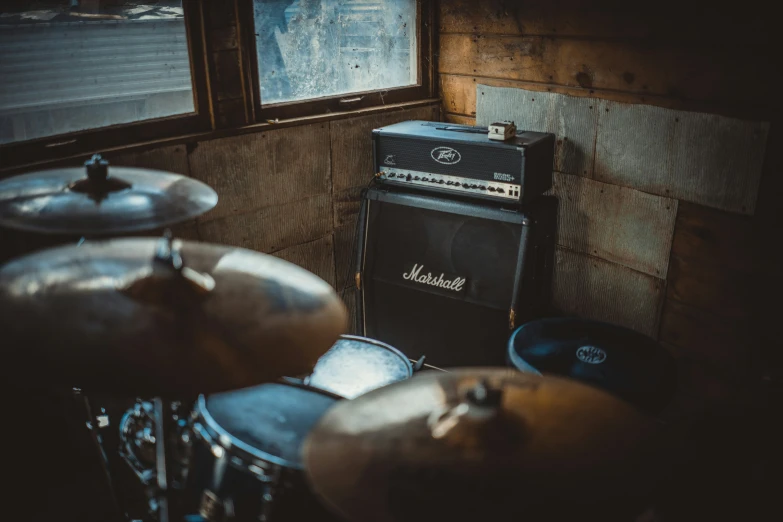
446	155
455	284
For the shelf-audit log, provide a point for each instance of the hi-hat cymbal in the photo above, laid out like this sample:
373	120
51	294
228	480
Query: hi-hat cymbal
155	317
480	444
100	200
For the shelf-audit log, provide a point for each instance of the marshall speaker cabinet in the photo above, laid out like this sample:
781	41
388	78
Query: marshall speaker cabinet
445	270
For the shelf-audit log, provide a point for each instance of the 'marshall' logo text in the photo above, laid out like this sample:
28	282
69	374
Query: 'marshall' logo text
454	284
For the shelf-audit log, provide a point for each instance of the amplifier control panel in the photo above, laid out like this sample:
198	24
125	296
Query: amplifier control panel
490	189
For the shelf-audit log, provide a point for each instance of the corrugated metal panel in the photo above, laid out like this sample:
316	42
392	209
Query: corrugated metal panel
596	289
618	224
572	119
51	66
704	158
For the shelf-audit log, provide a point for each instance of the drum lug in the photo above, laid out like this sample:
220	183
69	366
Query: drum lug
214	509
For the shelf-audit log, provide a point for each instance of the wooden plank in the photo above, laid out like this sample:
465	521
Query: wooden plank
611	20
645	68
170	159
346	206
707	159
272	228
725	343
268	168
544	17
228	75
187	231
617	224
223	38
573	120
458	94
230	113
704	234
711	287
596	289
344	261
351	142
316	257
714	263
459	119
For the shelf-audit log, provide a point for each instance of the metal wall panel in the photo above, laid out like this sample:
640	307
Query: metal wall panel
571	119
596	289
618	224
703	158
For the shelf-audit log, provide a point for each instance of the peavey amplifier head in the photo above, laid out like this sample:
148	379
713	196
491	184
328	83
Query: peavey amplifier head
461	160
449	279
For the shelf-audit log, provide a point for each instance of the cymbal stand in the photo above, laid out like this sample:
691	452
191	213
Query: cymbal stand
94	423
165	455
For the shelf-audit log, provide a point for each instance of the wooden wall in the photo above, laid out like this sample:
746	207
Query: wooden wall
291	192
711	280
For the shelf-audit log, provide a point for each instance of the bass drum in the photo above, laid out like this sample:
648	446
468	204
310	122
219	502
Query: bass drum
246	459
357	365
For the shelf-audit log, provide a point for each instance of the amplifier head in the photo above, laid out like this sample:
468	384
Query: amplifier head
463	160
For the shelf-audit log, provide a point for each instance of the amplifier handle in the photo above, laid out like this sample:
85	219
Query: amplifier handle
521	260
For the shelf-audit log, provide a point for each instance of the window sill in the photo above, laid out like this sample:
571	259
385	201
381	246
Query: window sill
216	134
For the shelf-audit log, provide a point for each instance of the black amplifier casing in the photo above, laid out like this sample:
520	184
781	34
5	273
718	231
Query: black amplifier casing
525	160
490	270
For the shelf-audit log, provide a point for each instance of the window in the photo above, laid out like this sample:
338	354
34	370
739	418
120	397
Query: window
369	51
71	66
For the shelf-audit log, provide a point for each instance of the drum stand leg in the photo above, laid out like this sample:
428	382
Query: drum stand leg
165	455
93	424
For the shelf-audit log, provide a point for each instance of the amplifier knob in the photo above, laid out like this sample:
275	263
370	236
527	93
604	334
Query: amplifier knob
482	187
392	175
501	191
449	183
440	181
465	185
492	189
416	178
408	178
474	186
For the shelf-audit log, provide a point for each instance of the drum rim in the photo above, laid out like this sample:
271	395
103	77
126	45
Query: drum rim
406	361
235	444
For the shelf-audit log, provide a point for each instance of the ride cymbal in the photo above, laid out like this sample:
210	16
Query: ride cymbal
101	201
155	317
481	444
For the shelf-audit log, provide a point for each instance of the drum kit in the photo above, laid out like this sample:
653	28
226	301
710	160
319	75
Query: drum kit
254	404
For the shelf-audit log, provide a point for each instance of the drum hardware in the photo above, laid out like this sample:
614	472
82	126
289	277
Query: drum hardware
94	423
483	444
138	442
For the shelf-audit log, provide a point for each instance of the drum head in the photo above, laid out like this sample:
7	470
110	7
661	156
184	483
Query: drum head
357	365
269	421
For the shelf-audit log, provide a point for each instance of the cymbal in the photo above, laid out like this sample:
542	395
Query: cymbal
156	317
480	444
99	200
621	361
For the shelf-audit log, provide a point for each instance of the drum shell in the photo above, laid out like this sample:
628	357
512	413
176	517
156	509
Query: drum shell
251	481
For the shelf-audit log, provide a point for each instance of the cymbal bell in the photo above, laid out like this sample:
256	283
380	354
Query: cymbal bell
99	200
164	318
480	444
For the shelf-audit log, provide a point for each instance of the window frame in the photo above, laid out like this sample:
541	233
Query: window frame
47	149
424	89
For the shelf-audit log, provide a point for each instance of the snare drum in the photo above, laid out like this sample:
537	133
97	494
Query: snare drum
356	365
246	455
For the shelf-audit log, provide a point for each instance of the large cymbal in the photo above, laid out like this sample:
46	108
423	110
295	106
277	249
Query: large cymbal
100	200
136	316
480	444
